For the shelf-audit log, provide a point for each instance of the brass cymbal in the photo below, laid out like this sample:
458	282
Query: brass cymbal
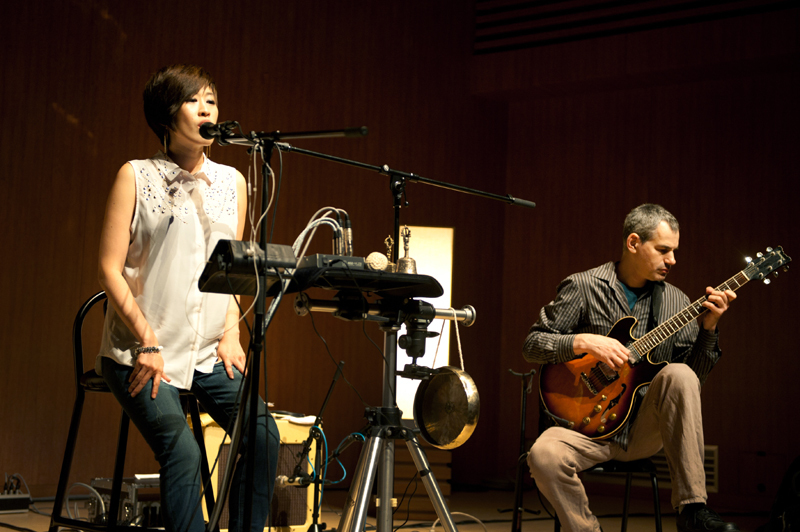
446	408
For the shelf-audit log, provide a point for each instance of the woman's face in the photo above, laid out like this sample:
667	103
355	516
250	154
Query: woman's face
199	109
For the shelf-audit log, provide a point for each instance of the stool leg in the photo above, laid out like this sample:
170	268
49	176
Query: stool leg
656	501
628	482
205	474
119	466
69	454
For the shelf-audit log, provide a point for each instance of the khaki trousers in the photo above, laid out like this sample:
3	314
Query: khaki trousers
670	417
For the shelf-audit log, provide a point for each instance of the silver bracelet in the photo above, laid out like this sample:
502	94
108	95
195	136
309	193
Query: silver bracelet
152	349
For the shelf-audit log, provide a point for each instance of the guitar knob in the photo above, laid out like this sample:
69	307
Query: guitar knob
597	408
603	397
570	424
601	429
586	420
612	417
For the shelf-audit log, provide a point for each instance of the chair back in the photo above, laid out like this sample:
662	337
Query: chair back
77	337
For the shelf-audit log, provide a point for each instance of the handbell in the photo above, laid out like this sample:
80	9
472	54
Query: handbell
406	264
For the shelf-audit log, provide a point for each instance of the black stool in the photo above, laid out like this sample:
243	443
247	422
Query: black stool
90	381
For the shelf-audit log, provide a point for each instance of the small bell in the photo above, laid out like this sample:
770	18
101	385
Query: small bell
390	266
406	264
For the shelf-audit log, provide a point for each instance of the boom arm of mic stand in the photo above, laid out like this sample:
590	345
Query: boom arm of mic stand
398	181
384	169
257	137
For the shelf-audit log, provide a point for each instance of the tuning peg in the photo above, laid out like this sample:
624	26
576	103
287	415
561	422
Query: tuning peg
767	281
769	250
748	260
759	254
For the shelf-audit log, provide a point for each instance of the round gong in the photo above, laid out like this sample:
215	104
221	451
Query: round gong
446	408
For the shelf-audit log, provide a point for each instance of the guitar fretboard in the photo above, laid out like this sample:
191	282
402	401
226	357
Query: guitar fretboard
652	339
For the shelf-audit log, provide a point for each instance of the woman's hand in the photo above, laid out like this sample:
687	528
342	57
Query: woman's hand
231	354
148	366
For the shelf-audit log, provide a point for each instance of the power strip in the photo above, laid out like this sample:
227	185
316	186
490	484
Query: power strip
14	503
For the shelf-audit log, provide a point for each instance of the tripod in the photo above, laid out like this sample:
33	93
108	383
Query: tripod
377	457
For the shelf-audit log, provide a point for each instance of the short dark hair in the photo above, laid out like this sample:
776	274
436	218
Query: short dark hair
644	219
167	90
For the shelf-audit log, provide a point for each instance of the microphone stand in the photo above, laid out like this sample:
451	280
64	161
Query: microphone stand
249	406
265	143
316	434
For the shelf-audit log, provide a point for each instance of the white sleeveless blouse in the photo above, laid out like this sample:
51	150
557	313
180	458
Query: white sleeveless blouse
177	221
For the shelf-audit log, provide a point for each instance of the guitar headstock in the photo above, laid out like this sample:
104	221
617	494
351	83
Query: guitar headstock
767	264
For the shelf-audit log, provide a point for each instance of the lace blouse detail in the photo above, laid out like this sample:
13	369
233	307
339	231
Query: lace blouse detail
170	186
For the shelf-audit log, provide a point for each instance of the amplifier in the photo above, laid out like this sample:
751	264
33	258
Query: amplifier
291	507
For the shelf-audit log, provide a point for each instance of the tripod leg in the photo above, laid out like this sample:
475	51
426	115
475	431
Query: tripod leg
385	512
354	513
429	481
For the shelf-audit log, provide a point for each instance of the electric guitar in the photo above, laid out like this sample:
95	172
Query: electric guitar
590	397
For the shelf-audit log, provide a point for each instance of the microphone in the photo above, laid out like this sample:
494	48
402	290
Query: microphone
348	235
339	242
210	130
282	481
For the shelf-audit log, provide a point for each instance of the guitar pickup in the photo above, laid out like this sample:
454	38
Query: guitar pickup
588	383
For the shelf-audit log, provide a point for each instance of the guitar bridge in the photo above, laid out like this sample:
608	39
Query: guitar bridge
588	383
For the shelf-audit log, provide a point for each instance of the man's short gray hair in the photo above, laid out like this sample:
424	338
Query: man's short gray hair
644	219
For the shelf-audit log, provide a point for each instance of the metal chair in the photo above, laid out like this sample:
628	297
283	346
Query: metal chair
90	381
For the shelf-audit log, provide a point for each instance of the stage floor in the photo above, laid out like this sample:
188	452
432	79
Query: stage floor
483	505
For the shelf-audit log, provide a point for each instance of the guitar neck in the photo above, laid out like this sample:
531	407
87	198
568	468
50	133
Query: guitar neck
654	338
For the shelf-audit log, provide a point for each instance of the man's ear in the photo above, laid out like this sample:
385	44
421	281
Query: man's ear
632	242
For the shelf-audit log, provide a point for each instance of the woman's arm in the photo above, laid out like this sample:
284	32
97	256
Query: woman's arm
114	242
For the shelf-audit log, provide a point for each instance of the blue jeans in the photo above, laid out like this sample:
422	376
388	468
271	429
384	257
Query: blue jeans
163	425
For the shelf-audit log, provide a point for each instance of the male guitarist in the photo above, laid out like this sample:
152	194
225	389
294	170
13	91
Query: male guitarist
667	413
